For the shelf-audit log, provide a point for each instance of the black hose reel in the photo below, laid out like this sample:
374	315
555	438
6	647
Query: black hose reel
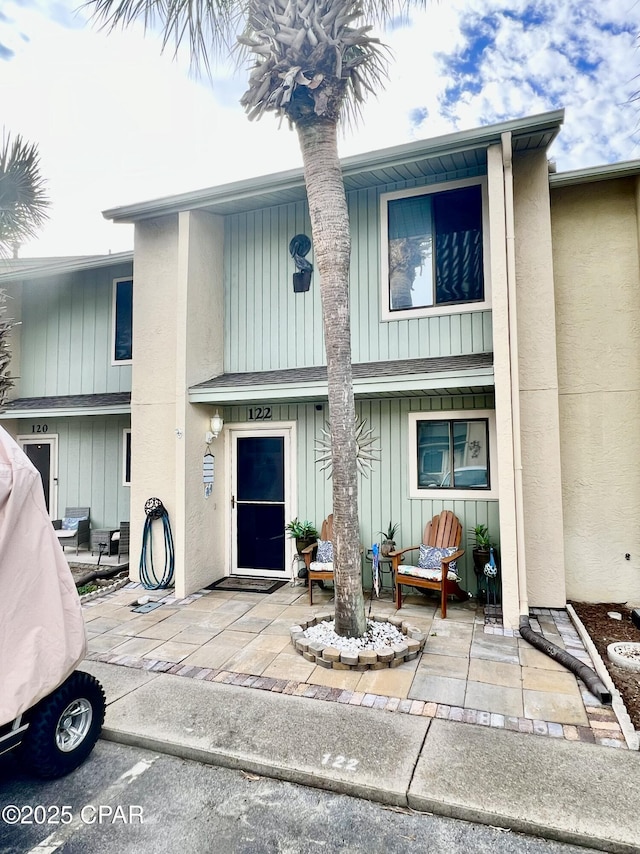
155	509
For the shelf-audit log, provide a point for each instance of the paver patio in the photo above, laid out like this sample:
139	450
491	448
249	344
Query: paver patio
470	669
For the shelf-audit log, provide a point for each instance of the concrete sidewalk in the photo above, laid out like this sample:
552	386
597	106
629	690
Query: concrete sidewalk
568	791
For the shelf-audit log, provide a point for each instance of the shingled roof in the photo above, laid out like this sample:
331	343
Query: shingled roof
399	377
110	403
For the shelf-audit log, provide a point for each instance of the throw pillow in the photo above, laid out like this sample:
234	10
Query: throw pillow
70	523
325	551
431	557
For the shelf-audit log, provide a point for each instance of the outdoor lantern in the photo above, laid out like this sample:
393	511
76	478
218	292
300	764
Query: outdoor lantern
216	427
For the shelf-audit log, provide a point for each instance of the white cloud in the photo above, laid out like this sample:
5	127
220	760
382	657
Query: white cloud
116	122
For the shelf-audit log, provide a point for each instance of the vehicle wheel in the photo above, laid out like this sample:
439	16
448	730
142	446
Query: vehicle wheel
65	726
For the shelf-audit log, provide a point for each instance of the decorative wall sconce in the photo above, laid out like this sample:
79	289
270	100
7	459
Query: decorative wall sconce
216	428
300	246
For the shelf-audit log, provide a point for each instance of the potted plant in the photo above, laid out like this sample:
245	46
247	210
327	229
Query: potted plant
388	543
482	545
304	533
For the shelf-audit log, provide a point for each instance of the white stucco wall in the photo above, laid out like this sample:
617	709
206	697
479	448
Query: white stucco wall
177	310
152	387
199	357
595	244
538	381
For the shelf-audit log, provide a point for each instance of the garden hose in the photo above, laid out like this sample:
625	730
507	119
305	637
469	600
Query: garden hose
155	509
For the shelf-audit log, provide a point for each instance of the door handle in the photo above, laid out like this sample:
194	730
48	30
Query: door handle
233	502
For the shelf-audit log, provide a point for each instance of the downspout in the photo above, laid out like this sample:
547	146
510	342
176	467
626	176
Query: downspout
507	165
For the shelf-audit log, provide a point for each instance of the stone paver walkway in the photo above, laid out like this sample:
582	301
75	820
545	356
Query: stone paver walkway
471	670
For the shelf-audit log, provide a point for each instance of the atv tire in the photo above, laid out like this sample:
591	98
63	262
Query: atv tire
64	727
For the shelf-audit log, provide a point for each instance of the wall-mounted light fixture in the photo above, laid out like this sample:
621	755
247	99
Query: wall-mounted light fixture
300	246
216	428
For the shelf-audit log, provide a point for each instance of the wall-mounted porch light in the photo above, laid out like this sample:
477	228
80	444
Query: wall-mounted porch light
300	246
216	428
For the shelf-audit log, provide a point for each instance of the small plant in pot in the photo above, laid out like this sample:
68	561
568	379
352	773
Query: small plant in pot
388	543
304	533
481	541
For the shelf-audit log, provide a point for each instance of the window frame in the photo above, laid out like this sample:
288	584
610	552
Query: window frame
126	455
114	304
386	314
452	494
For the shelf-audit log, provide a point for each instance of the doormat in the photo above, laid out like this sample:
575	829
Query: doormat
247	585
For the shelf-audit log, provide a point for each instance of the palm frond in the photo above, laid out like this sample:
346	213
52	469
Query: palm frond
312	57
206	27
23	197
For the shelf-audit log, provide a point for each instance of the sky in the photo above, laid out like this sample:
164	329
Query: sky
117	122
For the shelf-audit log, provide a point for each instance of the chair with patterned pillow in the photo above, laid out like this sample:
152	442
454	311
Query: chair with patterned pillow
436	569
73	528
318	558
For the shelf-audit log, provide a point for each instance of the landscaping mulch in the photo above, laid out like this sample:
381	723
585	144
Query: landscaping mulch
604	630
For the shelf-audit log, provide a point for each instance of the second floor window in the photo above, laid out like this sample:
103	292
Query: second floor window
434	245
123	320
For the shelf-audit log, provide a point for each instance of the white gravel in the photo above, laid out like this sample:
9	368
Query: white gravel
378	635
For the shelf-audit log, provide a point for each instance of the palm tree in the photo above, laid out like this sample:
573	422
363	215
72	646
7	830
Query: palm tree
313	63
23	199
23	206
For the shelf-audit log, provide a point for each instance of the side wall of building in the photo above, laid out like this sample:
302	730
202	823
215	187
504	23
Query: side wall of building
597	283
538	385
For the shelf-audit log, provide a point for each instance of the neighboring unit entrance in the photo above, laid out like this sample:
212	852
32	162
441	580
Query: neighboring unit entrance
260	477
43	453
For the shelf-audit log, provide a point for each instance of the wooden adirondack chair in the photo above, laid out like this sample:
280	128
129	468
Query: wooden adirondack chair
443	531
317	571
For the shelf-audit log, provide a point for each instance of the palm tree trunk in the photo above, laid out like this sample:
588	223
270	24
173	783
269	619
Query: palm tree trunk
332	253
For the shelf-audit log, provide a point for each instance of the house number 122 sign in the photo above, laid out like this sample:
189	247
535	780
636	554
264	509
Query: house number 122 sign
259	413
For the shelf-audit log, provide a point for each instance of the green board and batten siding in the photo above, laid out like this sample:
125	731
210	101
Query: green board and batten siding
268	327
66	349
67	335
90	465
384	494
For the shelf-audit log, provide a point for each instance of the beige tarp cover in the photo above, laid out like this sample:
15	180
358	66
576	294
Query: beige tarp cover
42	634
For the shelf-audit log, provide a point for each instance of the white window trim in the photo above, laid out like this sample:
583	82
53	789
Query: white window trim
435	310
114	292
126	432
452	494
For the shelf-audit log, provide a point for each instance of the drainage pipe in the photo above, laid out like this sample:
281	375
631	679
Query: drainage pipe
588	676
95	574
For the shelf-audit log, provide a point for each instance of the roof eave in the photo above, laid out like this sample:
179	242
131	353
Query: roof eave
66	266
69	412
591	174
353	165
